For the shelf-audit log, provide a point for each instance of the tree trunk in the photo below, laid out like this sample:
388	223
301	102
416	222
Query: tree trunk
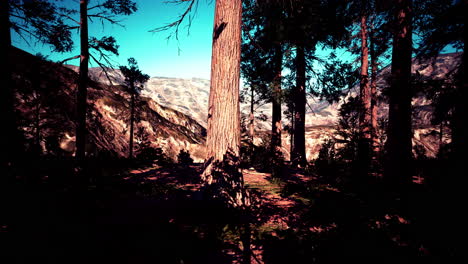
459	131
298	155
82	83
251	119
37	129
132	121
276	126
399	133
374	109
291	134
223	130
8	133
365	97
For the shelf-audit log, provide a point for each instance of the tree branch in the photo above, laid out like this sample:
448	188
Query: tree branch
71	58
176	24
103	67
108	18
93	7
69	17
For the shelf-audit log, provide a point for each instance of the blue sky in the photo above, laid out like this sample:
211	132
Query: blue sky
156	56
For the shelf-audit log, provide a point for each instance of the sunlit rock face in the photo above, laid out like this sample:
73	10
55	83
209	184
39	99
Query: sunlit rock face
50	90
172	113
190	96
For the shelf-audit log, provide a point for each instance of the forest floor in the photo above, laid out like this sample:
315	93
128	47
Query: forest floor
159	214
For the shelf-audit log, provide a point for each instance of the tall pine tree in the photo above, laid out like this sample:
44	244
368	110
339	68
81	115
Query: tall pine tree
399	133
134	79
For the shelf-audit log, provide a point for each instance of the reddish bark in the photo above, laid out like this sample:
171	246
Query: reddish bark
373	96
223	131
365	97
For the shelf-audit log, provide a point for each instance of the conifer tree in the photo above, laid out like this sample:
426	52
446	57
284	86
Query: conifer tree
223	131
134	79
262	62
97	50
222	170
399	133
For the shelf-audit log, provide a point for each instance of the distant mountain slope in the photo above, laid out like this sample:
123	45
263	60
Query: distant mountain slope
49	89
190	96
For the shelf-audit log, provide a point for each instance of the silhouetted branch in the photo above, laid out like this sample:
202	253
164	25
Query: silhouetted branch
105	18
96	6
17	28
71	58
69	17
103	67
176	24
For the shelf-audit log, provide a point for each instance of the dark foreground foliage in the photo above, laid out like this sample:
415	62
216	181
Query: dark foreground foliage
123	212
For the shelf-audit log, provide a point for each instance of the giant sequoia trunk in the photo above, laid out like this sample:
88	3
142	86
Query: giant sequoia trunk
365	96
276	127
82	83
399	133
223	130
298	155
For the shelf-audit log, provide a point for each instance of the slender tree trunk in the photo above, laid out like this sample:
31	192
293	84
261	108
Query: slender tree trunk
223	130
82	83
441	134
453	189
291	134
132	121
399	133
8	133
365	96
298	155
276	126
459	131
38	128
374	106
252	119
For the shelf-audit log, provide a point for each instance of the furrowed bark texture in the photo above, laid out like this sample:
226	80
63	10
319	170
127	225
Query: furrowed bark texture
399	133
223	130
82	83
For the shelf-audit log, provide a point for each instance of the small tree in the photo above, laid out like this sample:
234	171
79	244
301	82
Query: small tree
95	49
134	79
